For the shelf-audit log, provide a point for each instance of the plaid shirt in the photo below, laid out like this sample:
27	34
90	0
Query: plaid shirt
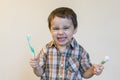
69	65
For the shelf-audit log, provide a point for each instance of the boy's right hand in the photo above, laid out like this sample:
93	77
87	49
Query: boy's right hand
34	62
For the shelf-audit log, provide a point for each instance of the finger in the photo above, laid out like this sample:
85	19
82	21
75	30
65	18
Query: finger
101	67
33	65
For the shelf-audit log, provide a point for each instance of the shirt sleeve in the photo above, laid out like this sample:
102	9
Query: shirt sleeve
42	58
85	62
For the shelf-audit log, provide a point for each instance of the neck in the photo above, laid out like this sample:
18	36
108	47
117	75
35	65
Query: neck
62	49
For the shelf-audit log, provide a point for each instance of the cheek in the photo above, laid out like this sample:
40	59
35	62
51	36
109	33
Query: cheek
69	34
53	34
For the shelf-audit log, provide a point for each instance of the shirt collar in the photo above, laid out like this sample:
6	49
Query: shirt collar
73	43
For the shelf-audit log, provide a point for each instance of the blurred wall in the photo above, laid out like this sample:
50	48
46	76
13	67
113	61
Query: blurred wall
98	32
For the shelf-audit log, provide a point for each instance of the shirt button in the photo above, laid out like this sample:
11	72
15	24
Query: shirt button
61	65
60	76
63	55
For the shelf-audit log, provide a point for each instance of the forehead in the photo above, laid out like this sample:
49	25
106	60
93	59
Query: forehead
61	21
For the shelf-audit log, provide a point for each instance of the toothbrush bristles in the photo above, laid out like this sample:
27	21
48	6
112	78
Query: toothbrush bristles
107	58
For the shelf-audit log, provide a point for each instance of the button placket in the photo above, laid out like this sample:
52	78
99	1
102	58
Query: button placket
61	67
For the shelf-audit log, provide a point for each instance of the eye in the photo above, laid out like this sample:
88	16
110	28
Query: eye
66	27
55	28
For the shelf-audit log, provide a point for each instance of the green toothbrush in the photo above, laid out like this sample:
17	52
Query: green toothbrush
107	58
30	45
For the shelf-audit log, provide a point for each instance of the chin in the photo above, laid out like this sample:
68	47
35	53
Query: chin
63	44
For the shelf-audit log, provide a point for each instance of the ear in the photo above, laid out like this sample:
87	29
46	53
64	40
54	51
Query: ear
75	30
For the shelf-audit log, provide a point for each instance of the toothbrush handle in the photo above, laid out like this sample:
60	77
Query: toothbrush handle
103	62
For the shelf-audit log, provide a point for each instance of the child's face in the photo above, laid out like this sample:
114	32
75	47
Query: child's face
62	30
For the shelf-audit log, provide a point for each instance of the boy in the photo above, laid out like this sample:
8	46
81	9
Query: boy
63	58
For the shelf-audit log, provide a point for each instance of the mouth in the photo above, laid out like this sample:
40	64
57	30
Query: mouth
61	39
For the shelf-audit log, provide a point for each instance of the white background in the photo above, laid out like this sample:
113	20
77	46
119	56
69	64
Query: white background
98	32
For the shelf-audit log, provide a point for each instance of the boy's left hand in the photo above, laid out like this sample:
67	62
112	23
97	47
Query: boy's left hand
98	68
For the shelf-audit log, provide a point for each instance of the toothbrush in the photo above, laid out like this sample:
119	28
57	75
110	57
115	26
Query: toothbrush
107	58
30	46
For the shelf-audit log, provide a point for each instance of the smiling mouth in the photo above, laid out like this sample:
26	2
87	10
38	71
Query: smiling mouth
61	39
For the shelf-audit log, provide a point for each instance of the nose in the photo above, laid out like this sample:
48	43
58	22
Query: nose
60	31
